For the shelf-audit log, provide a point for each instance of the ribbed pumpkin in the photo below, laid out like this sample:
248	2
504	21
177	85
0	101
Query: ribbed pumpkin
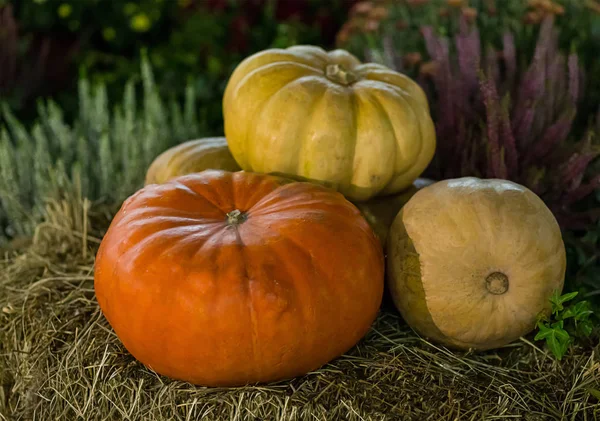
362	129
381	211
472	263
190	157
213	153
224	279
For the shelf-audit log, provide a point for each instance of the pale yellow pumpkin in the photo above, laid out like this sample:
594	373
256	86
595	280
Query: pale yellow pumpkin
381	211
472	263
190	157
362	129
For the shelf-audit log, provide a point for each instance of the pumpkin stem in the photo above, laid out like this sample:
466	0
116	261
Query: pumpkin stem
497	283
236	217
337	73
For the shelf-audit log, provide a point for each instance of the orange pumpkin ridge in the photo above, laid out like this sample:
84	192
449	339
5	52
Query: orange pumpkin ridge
225	279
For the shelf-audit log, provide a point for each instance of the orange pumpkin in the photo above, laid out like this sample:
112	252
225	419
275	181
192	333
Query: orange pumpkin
225	279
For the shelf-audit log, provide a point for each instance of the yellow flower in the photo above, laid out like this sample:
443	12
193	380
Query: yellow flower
65	10
109	33
140	22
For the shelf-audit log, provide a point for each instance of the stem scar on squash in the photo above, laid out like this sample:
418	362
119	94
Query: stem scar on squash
497	283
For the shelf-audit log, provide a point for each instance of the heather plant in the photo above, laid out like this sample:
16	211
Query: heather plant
378	25
391	32
495	122
502	108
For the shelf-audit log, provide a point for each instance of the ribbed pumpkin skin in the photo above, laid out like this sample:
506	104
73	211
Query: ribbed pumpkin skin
362	129
450	244
217	303
213	153
190	157
381	211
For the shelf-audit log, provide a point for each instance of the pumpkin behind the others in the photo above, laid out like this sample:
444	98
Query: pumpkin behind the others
208	153
381	211
225	279
472	263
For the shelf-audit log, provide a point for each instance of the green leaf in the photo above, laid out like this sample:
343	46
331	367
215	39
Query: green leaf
585	328
555	301
568	297
558	300
543	333
557	347
557	339
579	311
559	330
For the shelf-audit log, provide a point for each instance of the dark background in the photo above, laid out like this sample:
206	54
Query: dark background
46	44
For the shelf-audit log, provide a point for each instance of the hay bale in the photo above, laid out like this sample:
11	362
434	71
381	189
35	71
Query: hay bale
60	360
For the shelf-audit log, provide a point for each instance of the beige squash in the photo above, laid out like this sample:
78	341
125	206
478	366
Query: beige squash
472	263
190	157
381	211
308	114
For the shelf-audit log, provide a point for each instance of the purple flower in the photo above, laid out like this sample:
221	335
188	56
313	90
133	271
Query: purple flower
511	124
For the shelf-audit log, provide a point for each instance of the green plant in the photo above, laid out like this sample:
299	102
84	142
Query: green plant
107	149
566	323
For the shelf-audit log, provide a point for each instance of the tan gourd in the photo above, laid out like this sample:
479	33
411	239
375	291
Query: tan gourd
189	157
472	263
381	211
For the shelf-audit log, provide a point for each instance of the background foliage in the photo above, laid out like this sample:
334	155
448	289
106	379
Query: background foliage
46	42
104	154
